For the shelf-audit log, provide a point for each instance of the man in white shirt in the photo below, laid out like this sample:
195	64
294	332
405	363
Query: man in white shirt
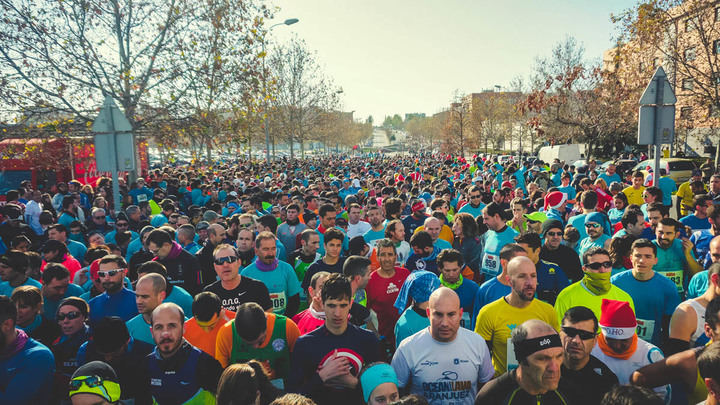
444	363
356	227
33	209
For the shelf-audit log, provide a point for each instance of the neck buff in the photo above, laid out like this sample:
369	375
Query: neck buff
268	267
602	343
453	286
15	346
597	283
293	223
316	314
209	325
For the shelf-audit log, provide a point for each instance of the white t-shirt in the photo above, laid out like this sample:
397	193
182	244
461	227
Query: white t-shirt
443	373
358	229
32	216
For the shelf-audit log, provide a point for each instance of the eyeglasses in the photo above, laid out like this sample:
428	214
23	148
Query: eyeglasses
121	224
554	234
109	273
227	259
572	332
598	265
70	315
98	217
475	196
592	225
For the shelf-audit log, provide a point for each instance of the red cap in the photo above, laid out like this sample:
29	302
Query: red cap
617	319
94	268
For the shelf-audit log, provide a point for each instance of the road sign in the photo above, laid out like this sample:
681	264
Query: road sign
114	144
649	96
656	121
646	124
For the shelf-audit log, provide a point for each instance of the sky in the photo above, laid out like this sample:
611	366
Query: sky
405	56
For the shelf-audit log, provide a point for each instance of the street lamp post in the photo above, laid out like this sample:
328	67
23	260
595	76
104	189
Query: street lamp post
289	21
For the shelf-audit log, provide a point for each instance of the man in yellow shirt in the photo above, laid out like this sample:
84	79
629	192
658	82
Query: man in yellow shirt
496	320
594	286
686	193
634	193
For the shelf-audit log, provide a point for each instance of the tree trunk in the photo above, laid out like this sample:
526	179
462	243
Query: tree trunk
292	146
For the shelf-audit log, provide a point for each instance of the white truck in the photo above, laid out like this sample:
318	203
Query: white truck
567	153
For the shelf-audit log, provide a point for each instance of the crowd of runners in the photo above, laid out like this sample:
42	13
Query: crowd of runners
407	279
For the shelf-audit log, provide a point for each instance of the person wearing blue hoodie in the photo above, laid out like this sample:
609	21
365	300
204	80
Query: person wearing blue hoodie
26	366
424	256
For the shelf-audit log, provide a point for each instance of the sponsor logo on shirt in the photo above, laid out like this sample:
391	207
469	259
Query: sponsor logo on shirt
391	288
278	345
428	363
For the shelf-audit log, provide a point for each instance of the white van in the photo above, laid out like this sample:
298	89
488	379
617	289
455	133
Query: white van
567	153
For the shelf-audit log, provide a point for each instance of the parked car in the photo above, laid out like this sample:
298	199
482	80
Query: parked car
678	169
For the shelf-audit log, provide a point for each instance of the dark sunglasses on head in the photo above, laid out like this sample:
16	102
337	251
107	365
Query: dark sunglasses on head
70	315
598	265
227	259
572	332
109	273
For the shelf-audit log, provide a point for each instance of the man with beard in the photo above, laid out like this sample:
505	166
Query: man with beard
149	293
582	369
116	300
26	366
377	224
178	372
553	250
302	258
537	379
232	288
278	276
288	231
496	320
675	256
497	236
597	229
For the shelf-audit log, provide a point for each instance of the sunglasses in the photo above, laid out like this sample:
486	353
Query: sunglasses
572	332
91	381
70	315
243	226
474	196
592	225
554	234
598	265
98	217
227	259
120	224
109	273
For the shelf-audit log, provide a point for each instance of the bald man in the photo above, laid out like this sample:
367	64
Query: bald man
149	293
178	371
496	320
443	363
434	226
216	236
537	379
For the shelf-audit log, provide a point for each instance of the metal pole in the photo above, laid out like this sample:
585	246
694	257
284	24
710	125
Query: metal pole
656	137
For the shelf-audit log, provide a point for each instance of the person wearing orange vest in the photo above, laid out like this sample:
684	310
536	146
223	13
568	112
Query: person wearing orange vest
258	335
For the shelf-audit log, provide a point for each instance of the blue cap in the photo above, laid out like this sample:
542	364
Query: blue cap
375	375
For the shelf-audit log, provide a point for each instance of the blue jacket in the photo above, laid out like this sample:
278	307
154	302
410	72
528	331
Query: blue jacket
26	377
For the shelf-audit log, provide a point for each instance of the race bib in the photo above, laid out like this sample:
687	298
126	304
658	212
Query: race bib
278	302
491	264
141	197
511	362
676	277
465	320
645	329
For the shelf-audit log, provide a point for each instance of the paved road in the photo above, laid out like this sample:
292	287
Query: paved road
380	138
